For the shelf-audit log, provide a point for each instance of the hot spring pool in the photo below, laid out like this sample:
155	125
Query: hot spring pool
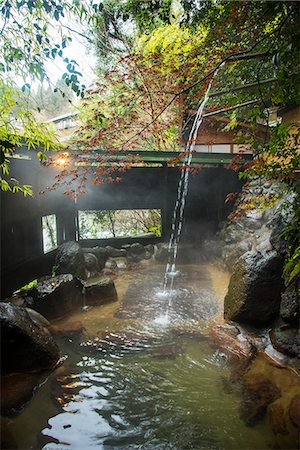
145	383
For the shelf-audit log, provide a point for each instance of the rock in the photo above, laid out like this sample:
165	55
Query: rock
231	340
255	214
70	259
162	253
279	225
294	410
252	224
101	255
54	297
38	318
286	340
100	291
70	329
18	389
111	264
116	252
231	253
255	288
258	393
121	262
26	346
277	418
136	252
150	249
290	305
91	262
232	233
235	345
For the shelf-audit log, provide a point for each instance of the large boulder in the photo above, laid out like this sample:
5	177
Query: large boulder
100	291
26	346
58	296
70	259
286	340
290	305
255	288
231	253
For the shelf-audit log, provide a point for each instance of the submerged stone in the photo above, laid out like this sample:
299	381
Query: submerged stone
26	346
277	418
255	287
294	410
258	393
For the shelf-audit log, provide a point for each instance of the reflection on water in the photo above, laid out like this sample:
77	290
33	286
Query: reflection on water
139	381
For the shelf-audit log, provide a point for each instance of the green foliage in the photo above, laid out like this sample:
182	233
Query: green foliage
292	267
30	285
26	44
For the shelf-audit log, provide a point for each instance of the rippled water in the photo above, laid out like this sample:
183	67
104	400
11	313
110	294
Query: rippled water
141	384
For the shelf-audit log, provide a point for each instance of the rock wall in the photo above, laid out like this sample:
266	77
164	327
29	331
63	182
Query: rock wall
253	249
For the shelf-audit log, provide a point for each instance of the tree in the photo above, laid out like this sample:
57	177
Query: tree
26	44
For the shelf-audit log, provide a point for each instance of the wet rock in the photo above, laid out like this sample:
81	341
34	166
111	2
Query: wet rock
277	418
70	259
255	288
294	410
252	224
55	297
17	390
235	345
26	346
101	255
231	253
70	329
232	234
111	264
290	305
258	393
100	291
162	252
116	252
91	264
136	252
255	213
150	249
121	262
286	340
38	318
279	225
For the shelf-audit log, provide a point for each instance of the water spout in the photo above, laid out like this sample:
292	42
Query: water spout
177	220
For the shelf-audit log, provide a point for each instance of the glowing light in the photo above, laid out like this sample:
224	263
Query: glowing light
63	159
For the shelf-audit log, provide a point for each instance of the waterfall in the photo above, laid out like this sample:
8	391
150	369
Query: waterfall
182	190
